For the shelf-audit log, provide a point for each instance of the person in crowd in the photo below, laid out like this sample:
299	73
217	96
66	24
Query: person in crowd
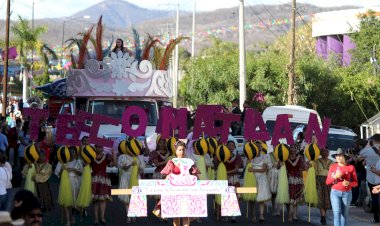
322	166
235	126
12	149
43	144
11	120
5	179
126	163
27	207
74	167
43	173
3	143
4	126
342	177
6	220
294	167
260	167
358	192
120	47
159	158
10	108
171	168
101	183
370	155
24	139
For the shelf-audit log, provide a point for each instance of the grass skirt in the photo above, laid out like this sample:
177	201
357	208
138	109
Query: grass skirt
249	181
221	174
65	196
282	196
311	194
85	197
201	165
29	183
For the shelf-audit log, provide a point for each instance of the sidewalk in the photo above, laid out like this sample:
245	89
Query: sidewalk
357	216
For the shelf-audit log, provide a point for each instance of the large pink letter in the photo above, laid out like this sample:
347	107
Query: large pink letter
282	129
173	119
85	116
227	119
67	127
252	121
127	121
35	117
97	121
205	120
314	128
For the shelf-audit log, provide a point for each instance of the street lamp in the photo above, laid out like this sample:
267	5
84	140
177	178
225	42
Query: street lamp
63	34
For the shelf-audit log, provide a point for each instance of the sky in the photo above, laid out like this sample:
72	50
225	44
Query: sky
64	8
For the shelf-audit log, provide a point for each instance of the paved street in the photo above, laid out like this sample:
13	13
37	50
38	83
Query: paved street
116	216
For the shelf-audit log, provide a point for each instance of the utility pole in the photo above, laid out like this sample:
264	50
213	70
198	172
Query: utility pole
292	95
176	62
6	53
32	68
193	34
242	82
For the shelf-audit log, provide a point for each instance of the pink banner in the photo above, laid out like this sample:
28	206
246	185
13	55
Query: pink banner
67	131
127	121
174	119
282	129
36	115
254	126
313	128
205	120
97	121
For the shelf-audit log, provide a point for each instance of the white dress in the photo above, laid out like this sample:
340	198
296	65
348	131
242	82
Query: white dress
262	183
125	175
273	173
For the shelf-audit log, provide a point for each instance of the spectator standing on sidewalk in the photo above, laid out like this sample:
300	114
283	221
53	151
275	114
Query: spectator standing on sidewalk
342	177
371	156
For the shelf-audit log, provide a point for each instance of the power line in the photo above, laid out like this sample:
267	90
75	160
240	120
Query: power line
261	20
271	15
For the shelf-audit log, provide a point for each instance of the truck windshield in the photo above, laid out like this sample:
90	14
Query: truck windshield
336	141
115	109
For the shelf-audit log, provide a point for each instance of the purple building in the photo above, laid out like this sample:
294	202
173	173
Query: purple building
332	29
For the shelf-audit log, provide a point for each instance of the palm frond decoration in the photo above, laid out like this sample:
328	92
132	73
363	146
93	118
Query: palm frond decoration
168	51
136	41
149	43
73	42
99	37
83	48
157	55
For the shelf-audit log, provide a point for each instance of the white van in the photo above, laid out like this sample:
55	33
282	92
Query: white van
297	115
340	138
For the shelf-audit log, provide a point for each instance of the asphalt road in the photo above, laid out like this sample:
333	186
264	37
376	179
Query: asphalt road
115	215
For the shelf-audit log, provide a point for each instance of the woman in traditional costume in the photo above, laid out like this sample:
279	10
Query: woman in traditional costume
43	173
159	158
322	166
101	183
74	169
171	168
294	167
126	163
260	167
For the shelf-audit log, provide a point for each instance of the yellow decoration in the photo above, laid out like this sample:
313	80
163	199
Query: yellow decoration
201	146
312	152
223	153
282	196
31	153
134	147
213	144
281	152
123	147
64	154
250	150
170	145
311	194
88	154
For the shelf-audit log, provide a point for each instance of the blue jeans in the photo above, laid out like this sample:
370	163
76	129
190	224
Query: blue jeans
340	202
